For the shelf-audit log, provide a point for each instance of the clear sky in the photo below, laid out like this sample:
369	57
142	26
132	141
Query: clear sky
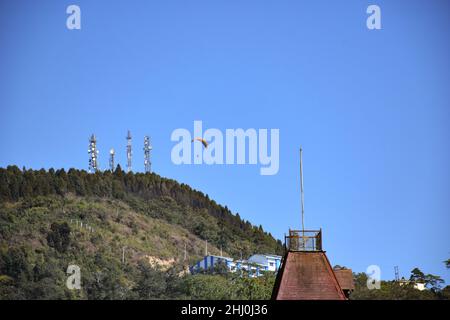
369	107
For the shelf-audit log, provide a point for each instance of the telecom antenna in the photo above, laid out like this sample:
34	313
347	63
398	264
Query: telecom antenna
147	149
129	151
93	154
111	159
397	275
302	196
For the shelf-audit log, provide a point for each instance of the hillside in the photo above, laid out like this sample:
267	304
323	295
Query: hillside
50	219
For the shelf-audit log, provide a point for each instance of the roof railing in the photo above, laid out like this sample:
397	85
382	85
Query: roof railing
303	240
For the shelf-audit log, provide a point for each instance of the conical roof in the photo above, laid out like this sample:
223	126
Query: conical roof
306	275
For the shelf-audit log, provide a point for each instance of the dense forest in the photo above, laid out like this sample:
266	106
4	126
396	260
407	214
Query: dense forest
148	194
126	231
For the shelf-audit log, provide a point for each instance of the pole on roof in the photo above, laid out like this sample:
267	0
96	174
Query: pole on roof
302	196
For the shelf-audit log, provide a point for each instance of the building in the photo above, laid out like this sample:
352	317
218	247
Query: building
306	272
416	285
345	279
254	266
268	262
253	269
209	262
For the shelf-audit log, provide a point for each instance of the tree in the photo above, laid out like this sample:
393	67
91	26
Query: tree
14	178
417	275
14	263
152	283
433	282
205	286
5	194
59	236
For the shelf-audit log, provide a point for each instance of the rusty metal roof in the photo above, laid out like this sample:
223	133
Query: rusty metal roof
345	278
306	275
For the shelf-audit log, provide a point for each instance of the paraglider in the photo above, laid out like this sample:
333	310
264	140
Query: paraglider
203	141
234	146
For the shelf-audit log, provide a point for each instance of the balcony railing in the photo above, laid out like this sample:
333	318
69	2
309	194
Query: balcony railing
304	240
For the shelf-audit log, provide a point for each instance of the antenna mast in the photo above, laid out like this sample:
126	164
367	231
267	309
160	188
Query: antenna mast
111	159
93	154
129	151
147	149
397	275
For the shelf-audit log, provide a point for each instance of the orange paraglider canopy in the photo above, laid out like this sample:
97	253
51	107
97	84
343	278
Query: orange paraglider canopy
203	141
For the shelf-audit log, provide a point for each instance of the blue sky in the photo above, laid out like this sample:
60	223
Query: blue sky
370	108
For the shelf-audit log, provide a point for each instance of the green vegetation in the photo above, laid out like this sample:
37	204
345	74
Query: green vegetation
52	219
402	290
127	234
229	286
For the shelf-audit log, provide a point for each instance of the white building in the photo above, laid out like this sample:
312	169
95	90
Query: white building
254	266
416	285
268	262
252	269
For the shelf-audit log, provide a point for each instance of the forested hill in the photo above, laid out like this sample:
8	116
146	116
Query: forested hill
132	235
147	194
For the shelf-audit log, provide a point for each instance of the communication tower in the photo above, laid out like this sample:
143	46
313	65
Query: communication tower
147	149
111	159
93	154
129	151
397	274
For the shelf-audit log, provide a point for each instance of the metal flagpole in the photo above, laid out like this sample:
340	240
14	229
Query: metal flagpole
302	196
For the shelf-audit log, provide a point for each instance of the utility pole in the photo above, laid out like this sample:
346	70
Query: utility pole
301	190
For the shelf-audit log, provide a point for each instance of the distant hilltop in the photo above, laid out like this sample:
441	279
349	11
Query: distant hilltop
148	194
